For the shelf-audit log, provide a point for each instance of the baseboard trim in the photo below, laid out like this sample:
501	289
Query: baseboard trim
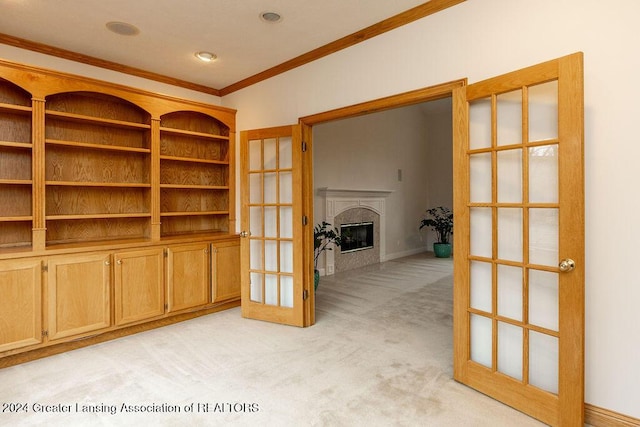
396	255
600	417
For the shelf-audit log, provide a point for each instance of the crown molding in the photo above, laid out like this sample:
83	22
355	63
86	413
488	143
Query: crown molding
382	27
101	63
411	15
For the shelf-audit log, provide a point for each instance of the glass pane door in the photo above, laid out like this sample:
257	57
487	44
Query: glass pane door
519	211
271	201
516	189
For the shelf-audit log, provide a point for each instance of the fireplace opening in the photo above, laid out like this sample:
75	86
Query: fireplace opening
356	237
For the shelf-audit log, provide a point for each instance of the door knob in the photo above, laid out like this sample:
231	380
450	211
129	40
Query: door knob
567	265
245	233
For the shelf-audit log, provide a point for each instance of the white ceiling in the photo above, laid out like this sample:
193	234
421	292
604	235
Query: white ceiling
171	31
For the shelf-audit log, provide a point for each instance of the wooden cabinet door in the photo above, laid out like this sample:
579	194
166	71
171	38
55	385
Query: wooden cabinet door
138	285
225	271
78	294
188	278
20	304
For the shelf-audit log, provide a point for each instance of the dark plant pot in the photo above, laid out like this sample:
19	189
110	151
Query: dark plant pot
442	250
316	279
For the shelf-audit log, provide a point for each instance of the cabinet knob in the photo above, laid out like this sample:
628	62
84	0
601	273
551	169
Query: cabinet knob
107	263
119	262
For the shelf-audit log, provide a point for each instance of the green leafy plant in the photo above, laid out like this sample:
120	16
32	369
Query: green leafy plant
324	237
440	219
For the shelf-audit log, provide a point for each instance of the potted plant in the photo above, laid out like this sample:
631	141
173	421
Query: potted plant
440	219
324	237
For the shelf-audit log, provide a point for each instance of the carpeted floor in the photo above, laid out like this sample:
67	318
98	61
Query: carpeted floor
380	354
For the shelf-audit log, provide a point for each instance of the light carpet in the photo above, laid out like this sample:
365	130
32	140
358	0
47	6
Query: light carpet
380	354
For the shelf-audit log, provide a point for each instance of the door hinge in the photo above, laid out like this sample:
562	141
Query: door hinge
166	306
165	251
305	220
305	295
304	146
45	268
45	334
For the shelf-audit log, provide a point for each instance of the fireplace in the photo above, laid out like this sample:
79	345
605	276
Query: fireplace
365	211
356	237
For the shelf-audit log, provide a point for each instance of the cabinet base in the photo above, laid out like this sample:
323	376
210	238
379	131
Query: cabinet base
39	353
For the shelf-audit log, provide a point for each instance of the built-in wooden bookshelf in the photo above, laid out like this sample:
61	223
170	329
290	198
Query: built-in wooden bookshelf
194	174
108	164
16	211
97	168
100	186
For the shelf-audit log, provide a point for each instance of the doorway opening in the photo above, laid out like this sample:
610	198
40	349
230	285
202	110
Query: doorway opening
376	130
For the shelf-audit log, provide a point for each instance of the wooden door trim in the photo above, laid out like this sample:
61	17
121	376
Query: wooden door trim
417	96
307	230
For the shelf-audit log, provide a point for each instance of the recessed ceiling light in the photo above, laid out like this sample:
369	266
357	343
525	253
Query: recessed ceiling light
122	28
270	17
206	56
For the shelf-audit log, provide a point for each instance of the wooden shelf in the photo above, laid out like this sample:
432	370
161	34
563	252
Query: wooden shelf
194	174
193	133
94	146
98	184
12	108
194	160
97	216
10	144
16	218
16	181
198	213
96	120
195	187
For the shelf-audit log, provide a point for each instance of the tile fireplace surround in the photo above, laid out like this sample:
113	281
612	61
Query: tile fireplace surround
338	201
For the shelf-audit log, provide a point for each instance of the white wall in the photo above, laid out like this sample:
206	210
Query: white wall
479	39
365	153
482	38
439	163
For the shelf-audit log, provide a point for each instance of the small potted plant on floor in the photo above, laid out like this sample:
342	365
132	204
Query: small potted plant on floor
324	237
440	219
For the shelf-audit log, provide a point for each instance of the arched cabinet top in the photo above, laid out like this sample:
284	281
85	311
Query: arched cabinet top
194	121
12	94
99	105
48	85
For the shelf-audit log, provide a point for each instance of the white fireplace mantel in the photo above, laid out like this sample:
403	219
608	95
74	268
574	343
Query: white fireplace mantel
340	200
337	192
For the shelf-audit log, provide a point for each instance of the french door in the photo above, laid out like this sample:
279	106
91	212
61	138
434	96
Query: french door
272	225
519	240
